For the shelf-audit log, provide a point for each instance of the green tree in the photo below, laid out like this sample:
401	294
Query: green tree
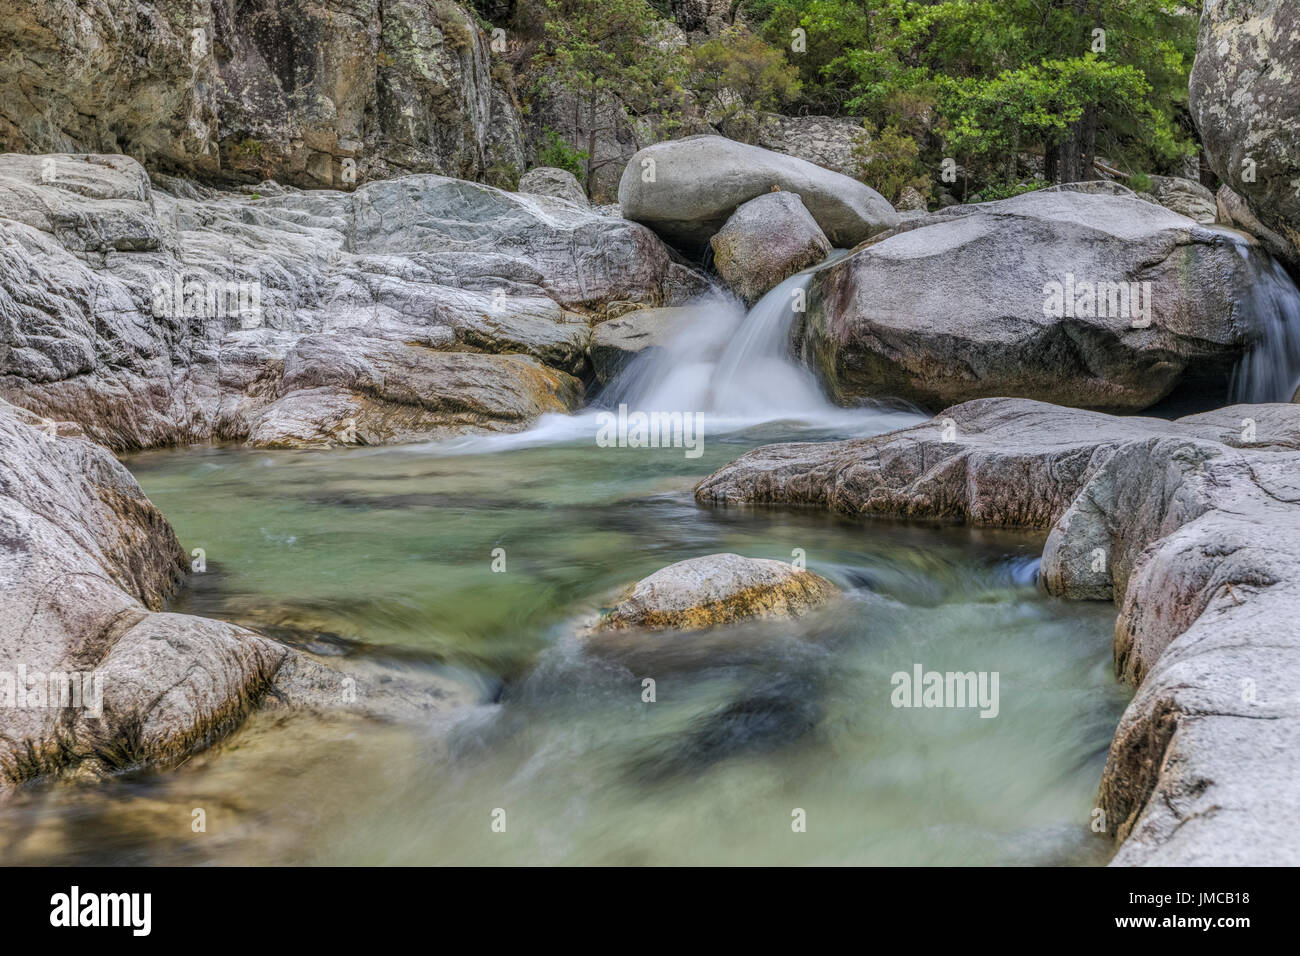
738	71
610	55
988	80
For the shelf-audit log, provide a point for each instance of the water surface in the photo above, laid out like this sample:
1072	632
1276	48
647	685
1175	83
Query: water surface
387	555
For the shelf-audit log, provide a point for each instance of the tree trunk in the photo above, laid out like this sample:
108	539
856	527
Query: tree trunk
591	141
1090	142
1070	162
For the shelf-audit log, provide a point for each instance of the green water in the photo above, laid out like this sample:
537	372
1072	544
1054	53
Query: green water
386	555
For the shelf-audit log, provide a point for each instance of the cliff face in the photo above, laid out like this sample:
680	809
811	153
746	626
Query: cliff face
309	92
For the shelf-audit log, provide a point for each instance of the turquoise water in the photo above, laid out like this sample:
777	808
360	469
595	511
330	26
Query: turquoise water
388	555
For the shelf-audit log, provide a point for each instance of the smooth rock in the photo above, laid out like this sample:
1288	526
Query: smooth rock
1185	197
557	183
767	240
686	189
717	589
616	342
958	305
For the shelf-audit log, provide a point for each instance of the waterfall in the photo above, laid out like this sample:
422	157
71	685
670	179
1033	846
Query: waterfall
733	365
726	362
1270	371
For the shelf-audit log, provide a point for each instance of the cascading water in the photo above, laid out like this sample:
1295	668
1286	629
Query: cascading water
1270	371
737	368
731	368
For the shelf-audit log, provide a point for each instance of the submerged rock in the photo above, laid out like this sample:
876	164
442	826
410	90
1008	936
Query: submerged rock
767	240
718	589
686	189
1198	541
94	676
154	318
1087	297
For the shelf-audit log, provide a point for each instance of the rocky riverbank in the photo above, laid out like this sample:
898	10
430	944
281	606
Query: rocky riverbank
307	253
86	565
1192	527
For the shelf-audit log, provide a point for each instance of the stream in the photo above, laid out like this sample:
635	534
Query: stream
477	561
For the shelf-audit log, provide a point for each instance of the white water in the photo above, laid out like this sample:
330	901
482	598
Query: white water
733	367
1270	371
728	363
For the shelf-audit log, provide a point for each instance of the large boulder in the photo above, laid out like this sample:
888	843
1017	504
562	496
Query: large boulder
1198	542
94	676
155	316
549	181
767	240
686	189
717	589
318	93
1087	297
1244	102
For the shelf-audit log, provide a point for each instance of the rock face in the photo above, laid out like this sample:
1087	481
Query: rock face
827	141
1198	541
717	589
317	93
767	240
686	189
154	317
1233	210
1185	197
549	181
1243	100
618	341
86	562
1091	298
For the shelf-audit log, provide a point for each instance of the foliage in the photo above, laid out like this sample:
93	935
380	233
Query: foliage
556	152
609	55
987	80
887	161
1139	183
738	71
1006	191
